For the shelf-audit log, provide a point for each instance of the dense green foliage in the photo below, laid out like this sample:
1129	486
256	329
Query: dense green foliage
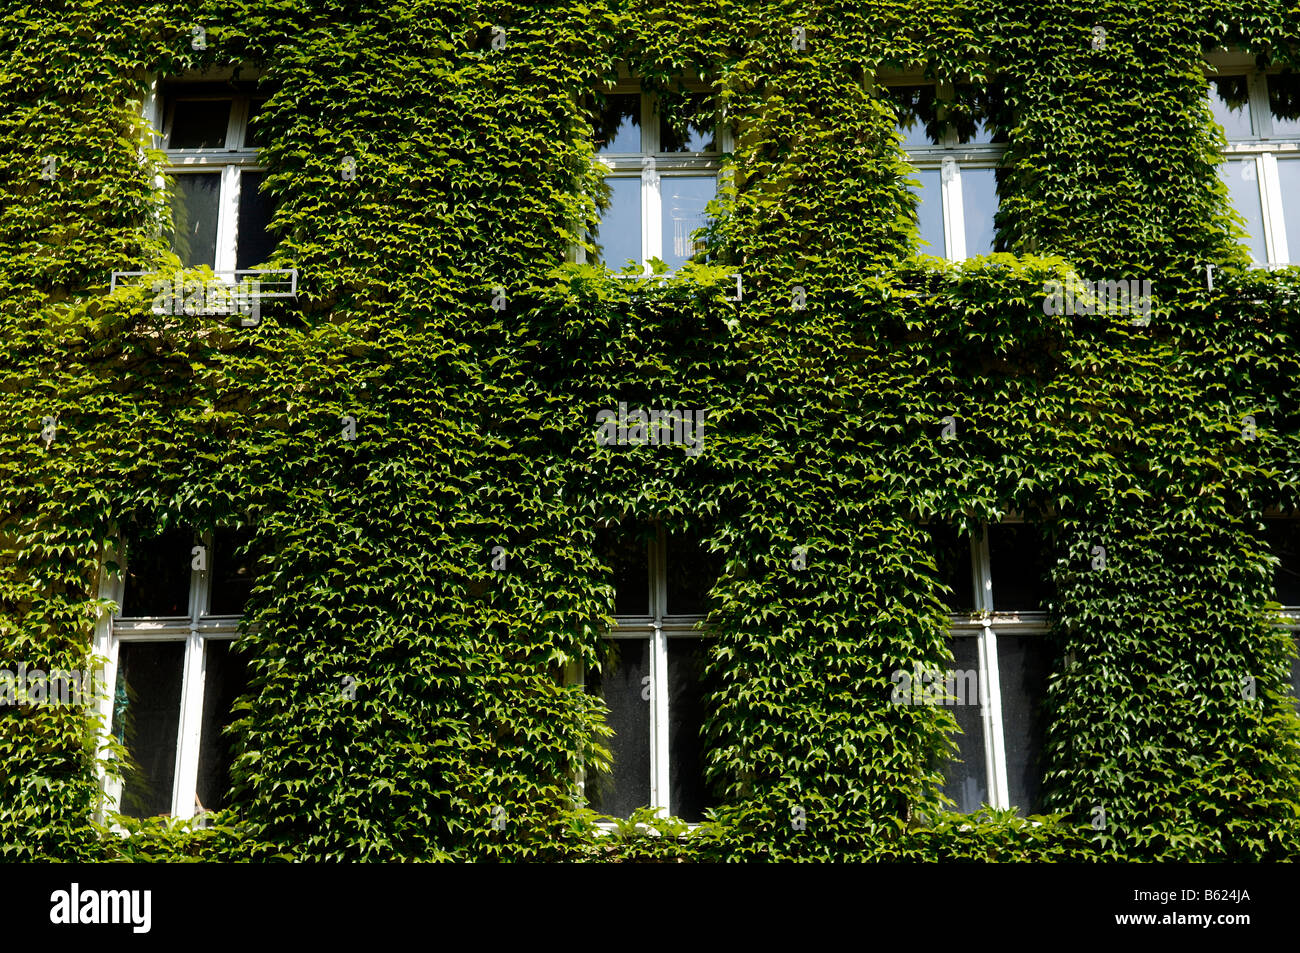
475	428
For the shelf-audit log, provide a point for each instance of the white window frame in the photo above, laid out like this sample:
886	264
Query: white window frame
229	161
984	624
650	166
1264	149
196	630
661	627
949	158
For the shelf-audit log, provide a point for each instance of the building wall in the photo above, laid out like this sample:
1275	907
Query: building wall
432	165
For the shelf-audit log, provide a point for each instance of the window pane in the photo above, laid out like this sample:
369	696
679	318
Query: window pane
974	115
1023	664
918	121
1283	540
158	575
195	207
1288	175
929	212
691	571
964	779
979	196
1284	103
1243	191
618	236
619	126
225	679
698	136
951	552
1230	101
231	573
622	688
251	132
684	201
625	550
1295	678
255	243
688	794
1021	566
146	717
199	124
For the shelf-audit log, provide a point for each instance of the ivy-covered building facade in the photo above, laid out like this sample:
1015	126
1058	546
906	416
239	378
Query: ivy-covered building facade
656	430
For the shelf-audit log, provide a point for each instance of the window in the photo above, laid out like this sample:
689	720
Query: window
209	133
660	179
1282	536
652	682
1001	583
954	138
1260	116
173	672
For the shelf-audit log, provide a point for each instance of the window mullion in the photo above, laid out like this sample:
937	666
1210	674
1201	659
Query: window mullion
651	196
191	717
1271	201
106	646
995	762
954	214
995	754
228	219
659	776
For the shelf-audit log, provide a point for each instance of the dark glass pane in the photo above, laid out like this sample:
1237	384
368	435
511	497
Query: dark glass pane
929	212
1021	567
196	204
251	139
688	795
1284	102
255	243
918	119
691	571
685	200
1023	664
1295	678
1283	540
146	717
951	552
232	573
1241	176
1230	102
199	124
619	127
625	549
965	780
225	679
624	690
979	199
158	575
618	236
1288	178
978	114
698	132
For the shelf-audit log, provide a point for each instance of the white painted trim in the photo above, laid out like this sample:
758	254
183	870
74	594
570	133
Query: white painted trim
657	628
957	156
229	162
195	631
650	165
1265	150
